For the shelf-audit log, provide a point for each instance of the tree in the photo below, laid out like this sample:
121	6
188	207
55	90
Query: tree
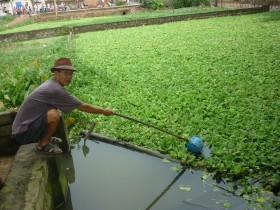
215	3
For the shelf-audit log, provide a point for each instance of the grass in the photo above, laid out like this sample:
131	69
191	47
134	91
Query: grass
28	26
6	19
9	18
216	78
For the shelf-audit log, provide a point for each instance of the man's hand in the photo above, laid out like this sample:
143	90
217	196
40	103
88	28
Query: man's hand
107	112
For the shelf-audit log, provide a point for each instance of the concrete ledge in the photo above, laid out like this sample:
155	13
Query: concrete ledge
34	181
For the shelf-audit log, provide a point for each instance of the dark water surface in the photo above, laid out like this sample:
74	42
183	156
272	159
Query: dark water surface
108	177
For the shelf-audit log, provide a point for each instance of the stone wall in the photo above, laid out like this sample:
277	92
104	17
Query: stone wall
34	181
92	12
274	4
7	146
62	31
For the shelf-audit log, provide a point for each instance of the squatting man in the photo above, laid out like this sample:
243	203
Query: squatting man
38	115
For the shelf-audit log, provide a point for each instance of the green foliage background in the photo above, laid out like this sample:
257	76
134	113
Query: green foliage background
216	78
190	3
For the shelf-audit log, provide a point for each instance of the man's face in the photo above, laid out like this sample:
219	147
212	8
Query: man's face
64	77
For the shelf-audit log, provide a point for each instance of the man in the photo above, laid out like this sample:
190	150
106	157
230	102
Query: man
38	116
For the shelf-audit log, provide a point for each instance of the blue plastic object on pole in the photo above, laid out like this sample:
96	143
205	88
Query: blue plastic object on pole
195	145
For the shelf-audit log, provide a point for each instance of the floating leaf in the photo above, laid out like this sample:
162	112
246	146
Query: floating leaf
165	160
216	189
246	197
260	199
185	188
227	205
176	168
204	176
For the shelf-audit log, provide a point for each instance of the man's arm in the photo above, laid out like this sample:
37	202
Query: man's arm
92	109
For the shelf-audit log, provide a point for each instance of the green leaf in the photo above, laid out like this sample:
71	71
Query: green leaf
185	188
227	205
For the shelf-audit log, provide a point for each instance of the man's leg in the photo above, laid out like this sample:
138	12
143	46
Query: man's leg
53	119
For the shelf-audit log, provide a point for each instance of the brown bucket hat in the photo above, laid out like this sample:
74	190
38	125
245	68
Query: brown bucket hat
63	64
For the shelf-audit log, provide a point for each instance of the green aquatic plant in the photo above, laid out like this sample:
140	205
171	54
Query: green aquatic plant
216	78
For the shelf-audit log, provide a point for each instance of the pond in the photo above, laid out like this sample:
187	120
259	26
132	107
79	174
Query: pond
103	176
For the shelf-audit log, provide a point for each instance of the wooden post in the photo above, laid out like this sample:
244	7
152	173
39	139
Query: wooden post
55	7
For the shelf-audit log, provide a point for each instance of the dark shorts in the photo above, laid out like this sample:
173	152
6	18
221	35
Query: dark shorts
36	130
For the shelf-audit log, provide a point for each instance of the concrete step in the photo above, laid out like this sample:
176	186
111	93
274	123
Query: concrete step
34	181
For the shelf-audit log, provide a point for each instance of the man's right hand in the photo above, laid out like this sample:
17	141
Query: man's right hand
108	112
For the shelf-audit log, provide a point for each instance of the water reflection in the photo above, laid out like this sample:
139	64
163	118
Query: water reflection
85	149
69	167
68	203
166	189
107	177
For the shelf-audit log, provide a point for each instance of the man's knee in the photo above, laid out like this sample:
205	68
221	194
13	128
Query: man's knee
53	115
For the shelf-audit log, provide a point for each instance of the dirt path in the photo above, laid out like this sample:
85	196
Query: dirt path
17	20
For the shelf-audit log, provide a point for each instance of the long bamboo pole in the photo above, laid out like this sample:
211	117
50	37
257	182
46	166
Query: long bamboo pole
152	126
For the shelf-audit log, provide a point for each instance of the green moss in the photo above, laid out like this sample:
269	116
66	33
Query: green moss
65	30
42	170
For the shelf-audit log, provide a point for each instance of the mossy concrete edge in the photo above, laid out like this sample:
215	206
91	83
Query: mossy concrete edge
27	185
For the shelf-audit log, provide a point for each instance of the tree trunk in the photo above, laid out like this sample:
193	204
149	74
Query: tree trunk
215	3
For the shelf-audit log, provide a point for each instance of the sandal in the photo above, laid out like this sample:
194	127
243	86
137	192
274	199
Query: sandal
55	141
48	149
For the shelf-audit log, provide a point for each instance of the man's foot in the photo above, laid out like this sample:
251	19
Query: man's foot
55	141
48	149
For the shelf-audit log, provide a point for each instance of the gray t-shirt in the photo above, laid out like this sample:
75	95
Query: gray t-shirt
47	96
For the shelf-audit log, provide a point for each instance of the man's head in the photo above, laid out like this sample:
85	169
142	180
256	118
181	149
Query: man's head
63	71
63	63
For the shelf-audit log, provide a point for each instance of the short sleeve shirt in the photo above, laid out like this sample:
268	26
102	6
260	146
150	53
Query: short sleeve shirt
47	96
